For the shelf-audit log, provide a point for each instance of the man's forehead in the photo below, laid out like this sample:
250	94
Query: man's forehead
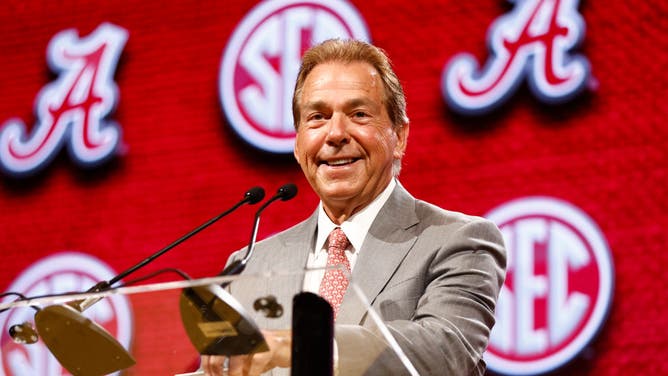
357	78
354	73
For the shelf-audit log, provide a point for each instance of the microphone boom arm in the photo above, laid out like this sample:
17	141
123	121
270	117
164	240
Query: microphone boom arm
174	244
285	192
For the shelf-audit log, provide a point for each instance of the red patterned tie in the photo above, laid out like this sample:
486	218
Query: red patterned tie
335	281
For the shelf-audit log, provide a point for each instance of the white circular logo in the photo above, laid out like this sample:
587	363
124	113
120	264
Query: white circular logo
60	273
558	287
261	62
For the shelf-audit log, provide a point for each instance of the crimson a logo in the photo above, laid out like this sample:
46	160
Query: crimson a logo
60	273
558	287
261	61
71	110
532	41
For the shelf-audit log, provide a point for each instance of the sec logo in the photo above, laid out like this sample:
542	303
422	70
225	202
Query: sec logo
261	60
558	287
60	273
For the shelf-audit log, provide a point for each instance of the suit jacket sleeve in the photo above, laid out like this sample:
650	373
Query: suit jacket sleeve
439	304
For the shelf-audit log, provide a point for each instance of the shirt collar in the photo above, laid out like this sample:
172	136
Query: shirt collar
357	226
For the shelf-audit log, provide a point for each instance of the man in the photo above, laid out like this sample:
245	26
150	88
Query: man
433	275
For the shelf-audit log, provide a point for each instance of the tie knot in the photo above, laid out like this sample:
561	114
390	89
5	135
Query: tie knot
338	239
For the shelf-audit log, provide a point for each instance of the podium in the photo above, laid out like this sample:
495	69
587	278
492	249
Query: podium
161	328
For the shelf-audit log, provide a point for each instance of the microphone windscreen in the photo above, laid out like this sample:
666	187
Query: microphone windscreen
254	195
312	336
287	191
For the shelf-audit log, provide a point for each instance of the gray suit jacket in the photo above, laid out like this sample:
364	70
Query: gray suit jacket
432	275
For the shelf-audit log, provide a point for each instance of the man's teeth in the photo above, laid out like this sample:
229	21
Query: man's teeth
340	162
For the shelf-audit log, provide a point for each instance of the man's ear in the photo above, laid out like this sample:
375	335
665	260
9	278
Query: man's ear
402	139
295	150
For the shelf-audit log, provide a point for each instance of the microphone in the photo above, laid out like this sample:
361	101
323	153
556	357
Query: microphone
284	193
312	335
213	307
63	328
251	196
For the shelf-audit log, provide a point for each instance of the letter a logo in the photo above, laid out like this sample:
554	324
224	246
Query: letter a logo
533	41
71	110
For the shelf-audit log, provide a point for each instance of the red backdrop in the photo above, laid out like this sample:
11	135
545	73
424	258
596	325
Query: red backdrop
605	152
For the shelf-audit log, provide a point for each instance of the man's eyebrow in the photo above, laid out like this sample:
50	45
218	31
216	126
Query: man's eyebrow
355	102
315	105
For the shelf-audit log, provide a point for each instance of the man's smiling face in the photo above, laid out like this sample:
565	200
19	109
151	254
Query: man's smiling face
346	143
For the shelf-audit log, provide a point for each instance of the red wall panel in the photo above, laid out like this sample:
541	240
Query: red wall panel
181	164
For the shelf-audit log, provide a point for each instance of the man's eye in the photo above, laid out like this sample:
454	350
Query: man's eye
360	114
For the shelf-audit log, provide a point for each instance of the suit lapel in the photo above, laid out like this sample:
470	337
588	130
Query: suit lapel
285	258
384	248
297	246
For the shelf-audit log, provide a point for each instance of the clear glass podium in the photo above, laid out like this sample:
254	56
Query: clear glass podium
162	328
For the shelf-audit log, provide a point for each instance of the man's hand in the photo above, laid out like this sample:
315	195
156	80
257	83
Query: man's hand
280	348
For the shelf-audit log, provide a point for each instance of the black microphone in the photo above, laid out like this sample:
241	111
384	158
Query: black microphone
54	323
284	193
312	336
252	196
213	307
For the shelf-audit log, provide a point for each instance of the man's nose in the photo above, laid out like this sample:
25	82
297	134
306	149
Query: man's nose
337	132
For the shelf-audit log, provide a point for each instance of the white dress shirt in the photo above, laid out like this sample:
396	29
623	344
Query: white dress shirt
356	227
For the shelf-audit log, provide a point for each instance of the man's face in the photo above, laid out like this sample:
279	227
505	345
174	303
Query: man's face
346	143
